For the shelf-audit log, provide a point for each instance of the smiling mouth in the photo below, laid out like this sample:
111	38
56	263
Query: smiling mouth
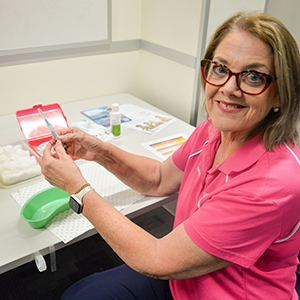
230	106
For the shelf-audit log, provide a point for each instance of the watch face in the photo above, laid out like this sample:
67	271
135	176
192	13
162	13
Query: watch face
75	205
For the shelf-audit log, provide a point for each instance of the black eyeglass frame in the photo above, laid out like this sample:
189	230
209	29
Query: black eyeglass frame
269	78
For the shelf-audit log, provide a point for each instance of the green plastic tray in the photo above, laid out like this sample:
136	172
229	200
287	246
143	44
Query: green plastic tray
44	205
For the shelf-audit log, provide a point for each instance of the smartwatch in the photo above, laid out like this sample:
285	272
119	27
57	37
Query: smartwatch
75	201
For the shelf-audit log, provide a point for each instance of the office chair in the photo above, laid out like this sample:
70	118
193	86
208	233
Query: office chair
298	279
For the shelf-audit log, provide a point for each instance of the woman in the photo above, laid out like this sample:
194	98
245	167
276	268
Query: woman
235	233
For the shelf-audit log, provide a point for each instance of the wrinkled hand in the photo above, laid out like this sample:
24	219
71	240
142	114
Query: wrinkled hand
60	170
78	143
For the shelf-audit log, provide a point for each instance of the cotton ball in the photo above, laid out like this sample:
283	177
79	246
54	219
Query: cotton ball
22	159
25	153
15	156
14	166
23	165
17	147
24	174
8	149
5	172
37	170
7	165
29	173
19	151
23	162
2	158
31	160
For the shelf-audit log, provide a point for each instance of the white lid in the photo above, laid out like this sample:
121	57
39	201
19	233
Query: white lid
115	107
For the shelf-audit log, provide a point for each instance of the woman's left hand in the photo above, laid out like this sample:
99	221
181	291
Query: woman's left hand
60	170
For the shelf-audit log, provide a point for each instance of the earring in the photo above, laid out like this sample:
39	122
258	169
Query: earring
276	109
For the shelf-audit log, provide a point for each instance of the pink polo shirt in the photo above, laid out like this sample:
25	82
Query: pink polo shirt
245	211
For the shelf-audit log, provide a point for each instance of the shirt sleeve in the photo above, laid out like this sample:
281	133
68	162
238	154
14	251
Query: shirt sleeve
197	138
235	226
180	156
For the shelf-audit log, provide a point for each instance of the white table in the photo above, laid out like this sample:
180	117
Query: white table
18	240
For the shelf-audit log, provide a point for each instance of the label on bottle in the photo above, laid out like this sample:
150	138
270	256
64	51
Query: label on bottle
116	123
116	130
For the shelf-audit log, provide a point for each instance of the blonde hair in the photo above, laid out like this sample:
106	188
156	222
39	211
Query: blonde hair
280	127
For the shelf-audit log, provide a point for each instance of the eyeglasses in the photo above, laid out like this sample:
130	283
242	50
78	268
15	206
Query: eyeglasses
249	82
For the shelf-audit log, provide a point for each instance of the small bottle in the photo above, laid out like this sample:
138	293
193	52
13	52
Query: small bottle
115	120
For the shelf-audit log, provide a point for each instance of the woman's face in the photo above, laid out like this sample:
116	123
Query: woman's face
232	111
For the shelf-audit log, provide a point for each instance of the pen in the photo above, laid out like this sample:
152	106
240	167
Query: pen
52	130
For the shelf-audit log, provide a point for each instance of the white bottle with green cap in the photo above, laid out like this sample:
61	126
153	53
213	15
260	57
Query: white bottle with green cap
115	120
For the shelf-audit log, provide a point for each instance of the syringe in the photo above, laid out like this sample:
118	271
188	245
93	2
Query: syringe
52	130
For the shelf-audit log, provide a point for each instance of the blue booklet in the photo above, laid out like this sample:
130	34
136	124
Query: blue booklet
101	115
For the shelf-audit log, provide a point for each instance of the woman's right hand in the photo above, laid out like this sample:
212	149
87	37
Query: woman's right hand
78	143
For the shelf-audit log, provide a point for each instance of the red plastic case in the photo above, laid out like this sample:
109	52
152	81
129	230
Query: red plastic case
34	127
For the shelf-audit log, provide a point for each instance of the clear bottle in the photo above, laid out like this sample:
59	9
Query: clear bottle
115	120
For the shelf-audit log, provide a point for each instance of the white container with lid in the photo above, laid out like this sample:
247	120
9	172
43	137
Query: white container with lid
18	162
115	120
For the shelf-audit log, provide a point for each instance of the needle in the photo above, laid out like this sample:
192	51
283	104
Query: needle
52	130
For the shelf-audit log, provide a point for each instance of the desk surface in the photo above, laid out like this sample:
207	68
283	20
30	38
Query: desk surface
18	240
